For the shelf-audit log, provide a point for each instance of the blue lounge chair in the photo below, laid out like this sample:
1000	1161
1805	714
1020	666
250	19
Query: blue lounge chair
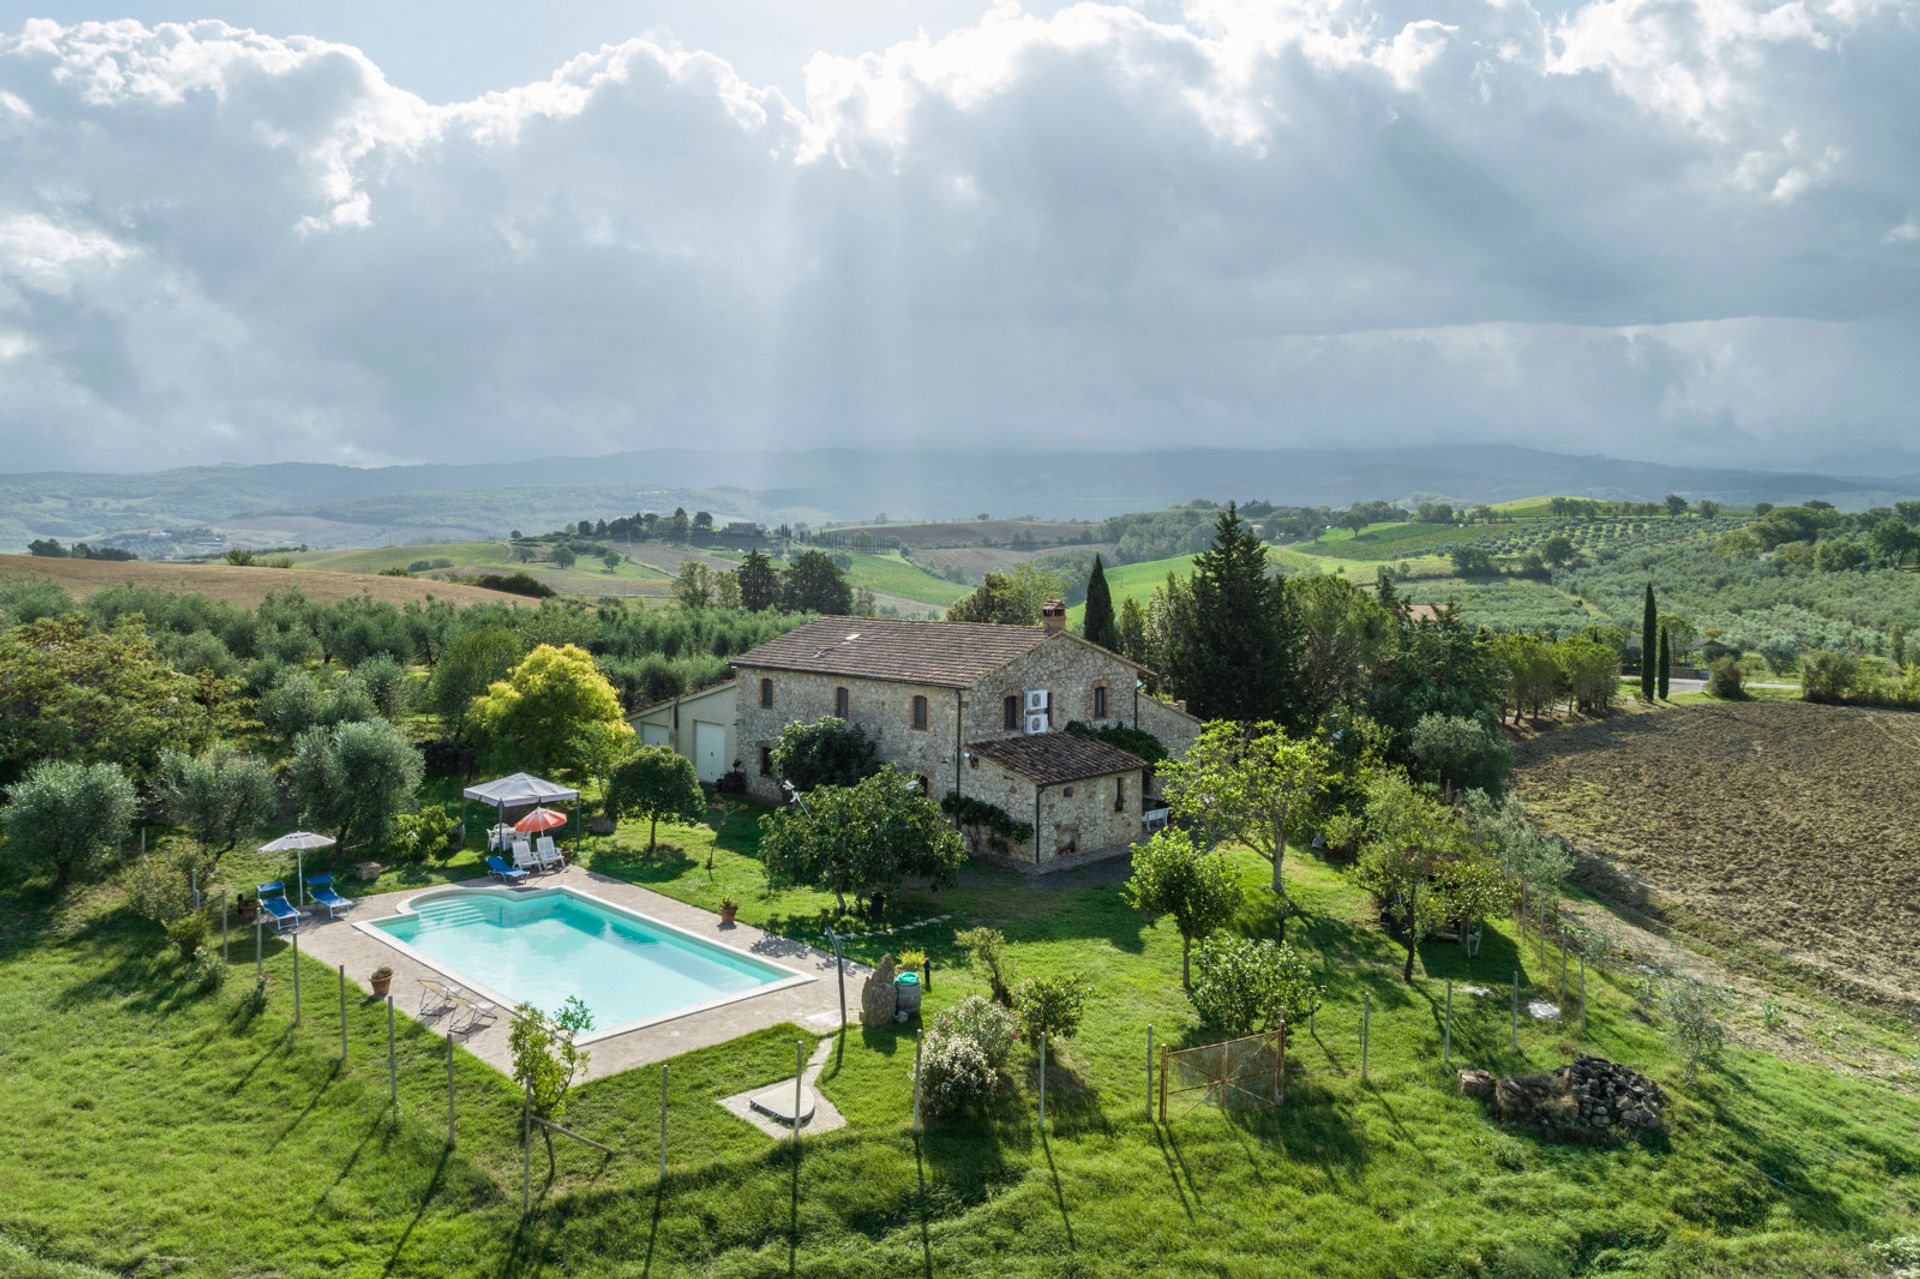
501	871
320	893
278	908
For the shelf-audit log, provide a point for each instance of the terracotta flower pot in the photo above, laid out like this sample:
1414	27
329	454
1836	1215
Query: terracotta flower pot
726	916
381	985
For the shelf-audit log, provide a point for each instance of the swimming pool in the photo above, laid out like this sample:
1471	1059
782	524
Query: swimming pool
544	946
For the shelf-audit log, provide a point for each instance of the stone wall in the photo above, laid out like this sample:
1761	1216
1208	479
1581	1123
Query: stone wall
883	710
1073	817
1175	728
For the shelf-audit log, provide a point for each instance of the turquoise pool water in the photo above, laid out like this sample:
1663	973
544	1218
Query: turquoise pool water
542	947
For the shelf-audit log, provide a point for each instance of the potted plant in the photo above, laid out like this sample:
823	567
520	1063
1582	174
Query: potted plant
382	979
728	908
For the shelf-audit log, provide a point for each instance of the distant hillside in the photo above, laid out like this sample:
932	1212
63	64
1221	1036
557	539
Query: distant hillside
335	506
243	586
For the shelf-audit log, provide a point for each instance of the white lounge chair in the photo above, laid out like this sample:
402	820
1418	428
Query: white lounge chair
436	997
523	857
547	854
476	1009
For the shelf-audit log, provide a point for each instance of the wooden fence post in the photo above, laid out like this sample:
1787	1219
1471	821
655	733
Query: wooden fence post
663	1122
1163	1083
257	927
393	1066
1446	1044
450	1141
1563	969
296	978
343	1013
799	1068
526	1147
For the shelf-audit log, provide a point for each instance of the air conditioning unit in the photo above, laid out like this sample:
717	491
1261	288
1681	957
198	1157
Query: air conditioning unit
1036	700
1037	723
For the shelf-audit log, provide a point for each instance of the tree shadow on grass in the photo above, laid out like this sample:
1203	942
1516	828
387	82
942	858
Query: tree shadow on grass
426	1198
666	863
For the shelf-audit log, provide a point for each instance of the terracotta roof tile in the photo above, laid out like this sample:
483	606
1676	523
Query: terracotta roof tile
943	654
1047	758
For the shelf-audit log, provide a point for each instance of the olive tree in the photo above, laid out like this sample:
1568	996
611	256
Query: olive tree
219	797
1247	986
69	818
354	779
1421	867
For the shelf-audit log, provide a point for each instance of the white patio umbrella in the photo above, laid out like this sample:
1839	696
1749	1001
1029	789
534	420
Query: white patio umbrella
298	843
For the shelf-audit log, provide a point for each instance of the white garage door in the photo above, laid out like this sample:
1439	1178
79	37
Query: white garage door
653	734
709	750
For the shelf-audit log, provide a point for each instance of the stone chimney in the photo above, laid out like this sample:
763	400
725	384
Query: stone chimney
1053	615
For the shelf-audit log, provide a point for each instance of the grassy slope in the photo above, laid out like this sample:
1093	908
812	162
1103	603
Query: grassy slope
588	577
371	559
148	1121
889	574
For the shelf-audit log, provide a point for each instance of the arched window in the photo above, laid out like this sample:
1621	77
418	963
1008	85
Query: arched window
766	692
919	711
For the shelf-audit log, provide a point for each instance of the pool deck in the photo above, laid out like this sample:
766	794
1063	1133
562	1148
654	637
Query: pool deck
814	1006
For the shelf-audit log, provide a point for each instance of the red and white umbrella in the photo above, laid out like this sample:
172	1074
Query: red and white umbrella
540	819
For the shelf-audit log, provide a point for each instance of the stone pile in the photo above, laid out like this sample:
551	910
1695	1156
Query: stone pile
1590	1097
1614	1096
878	1000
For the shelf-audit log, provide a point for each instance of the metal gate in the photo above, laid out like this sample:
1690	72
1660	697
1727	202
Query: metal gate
1235	1074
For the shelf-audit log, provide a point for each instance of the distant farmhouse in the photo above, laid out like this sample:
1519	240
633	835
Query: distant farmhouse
966	707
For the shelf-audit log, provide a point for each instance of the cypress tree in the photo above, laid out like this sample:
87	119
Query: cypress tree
1649	624
1098	626
1666	665
1233	642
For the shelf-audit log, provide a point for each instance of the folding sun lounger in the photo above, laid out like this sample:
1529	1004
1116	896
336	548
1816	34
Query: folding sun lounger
435	997
279	908
501	871
320	893
476	1010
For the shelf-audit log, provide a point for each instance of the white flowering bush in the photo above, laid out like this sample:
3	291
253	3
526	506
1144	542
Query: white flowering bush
963	1060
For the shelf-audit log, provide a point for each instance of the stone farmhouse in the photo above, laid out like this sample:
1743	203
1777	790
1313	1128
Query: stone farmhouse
974	708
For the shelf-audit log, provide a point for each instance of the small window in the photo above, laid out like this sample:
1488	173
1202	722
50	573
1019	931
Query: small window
840	701
1119	794
919	711
766	761
925	789
1010	713
766	692
1099	701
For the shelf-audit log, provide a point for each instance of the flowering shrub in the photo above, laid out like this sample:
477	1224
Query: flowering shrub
988	1024
955	1076
964	1058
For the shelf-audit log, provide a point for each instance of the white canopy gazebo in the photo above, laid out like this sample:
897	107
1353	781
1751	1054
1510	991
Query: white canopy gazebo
522	790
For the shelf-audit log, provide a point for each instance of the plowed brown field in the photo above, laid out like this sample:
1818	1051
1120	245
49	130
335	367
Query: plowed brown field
243	586
1788	824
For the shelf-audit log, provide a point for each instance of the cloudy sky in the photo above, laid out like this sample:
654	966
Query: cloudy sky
373	232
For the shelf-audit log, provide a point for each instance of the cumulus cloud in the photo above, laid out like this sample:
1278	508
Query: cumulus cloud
1320	220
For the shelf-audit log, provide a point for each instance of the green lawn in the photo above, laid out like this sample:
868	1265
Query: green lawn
152	1129
889	574
371	559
